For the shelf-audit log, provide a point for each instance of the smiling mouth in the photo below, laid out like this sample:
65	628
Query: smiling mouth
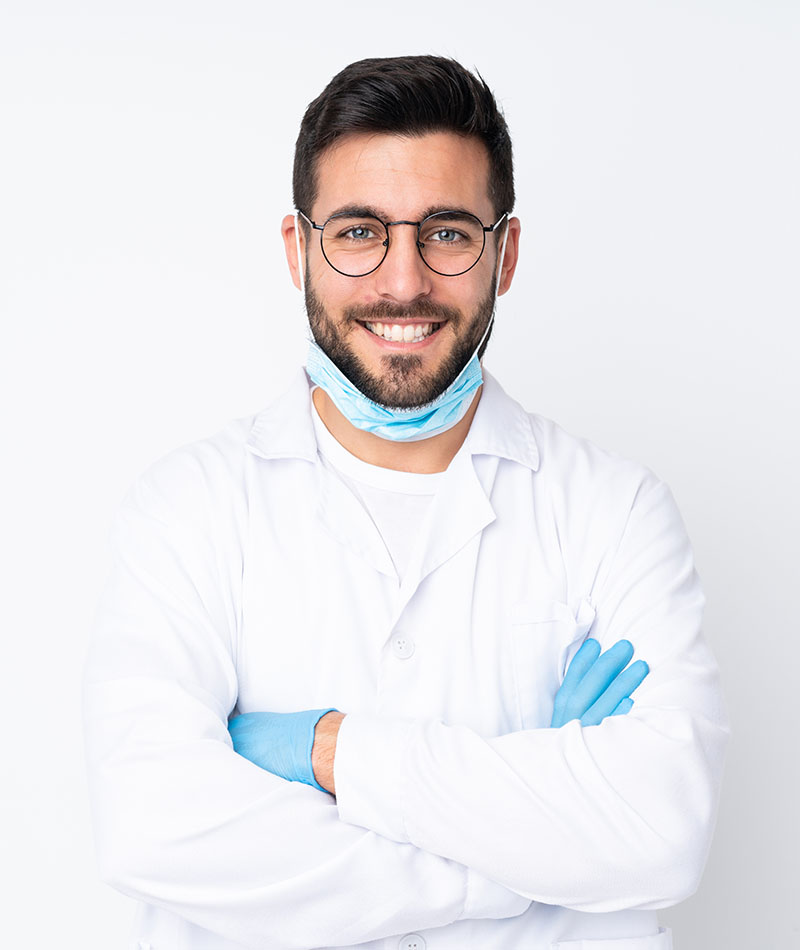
402	333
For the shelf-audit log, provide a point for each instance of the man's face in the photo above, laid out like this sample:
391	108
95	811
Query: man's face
401	178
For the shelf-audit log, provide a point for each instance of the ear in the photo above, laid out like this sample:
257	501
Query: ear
288	228
511	256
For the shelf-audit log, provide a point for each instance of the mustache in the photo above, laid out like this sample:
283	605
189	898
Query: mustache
385	310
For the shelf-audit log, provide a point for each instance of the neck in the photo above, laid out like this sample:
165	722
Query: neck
424	457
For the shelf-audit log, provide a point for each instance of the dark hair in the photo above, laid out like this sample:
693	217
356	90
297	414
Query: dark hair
404	95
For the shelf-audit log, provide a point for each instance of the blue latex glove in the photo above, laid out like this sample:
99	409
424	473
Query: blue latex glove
597	686
281	743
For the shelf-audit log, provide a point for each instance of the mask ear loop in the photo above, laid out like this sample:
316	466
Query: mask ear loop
501	258
300	268
301	271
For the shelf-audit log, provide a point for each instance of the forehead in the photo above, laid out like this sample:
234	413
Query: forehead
402	175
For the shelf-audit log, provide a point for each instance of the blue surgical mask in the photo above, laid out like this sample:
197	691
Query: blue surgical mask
398	424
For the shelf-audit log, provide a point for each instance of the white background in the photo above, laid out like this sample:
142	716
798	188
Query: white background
144	168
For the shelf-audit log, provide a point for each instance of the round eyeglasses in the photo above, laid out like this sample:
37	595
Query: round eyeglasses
449	242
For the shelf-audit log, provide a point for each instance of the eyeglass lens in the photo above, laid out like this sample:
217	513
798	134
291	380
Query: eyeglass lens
449	242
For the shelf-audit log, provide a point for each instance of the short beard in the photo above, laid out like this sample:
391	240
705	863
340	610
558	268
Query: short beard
402	385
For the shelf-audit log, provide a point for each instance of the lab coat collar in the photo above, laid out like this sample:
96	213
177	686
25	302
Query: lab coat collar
285	429
500	427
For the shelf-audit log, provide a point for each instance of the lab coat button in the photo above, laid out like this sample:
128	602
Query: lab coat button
411	942
403	648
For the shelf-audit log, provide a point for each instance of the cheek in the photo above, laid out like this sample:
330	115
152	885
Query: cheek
474	291
334	290
317	271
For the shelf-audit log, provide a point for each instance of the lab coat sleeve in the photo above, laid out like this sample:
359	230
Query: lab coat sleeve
184	823
601	818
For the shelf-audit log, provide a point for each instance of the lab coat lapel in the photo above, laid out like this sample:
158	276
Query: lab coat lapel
501	429
460	510
285	430
347	520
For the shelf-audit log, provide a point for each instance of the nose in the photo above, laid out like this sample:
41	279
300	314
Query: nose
403	276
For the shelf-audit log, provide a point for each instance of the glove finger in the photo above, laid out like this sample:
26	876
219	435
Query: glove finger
624	707
618	690
607	667
580	664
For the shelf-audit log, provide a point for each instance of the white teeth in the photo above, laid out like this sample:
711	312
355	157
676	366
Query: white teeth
403	333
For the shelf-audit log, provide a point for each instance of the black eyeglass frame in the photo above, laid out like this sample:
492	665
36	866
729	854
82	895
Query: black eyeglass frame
420	244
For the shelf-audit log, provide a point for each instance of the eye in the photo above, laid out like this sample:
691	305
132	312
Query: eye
446	233
446	236
358	233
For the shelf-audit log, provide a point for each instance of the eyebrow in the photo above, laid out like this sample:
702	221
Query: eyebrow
371	211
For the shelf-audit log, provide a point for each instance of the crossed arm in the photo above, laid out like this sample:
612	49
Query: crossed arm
302	746
460	827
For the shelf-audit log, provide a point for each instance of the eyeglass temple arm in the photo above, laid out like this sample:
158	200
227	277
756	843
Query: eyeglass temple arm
317	227
487	230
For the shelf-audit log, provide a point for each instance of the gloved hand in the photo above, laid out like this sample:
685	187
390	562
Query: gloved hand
597	686
281	743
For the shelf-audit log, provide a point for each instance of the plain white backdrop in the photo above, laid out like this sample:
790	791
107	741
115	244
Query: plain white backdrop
145	164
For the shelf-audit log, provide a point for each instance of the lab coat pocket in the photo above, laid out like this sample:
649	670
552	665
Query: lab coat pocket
658	941
545	635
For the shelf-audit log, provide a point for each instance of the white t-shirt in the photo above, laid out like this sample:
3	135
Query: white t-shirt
397	502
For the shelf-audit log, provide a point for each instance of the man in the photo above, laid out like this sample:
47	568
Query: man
326	701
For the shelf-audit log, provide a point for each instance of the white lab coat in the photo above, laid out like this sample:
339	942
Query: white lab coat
247	577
